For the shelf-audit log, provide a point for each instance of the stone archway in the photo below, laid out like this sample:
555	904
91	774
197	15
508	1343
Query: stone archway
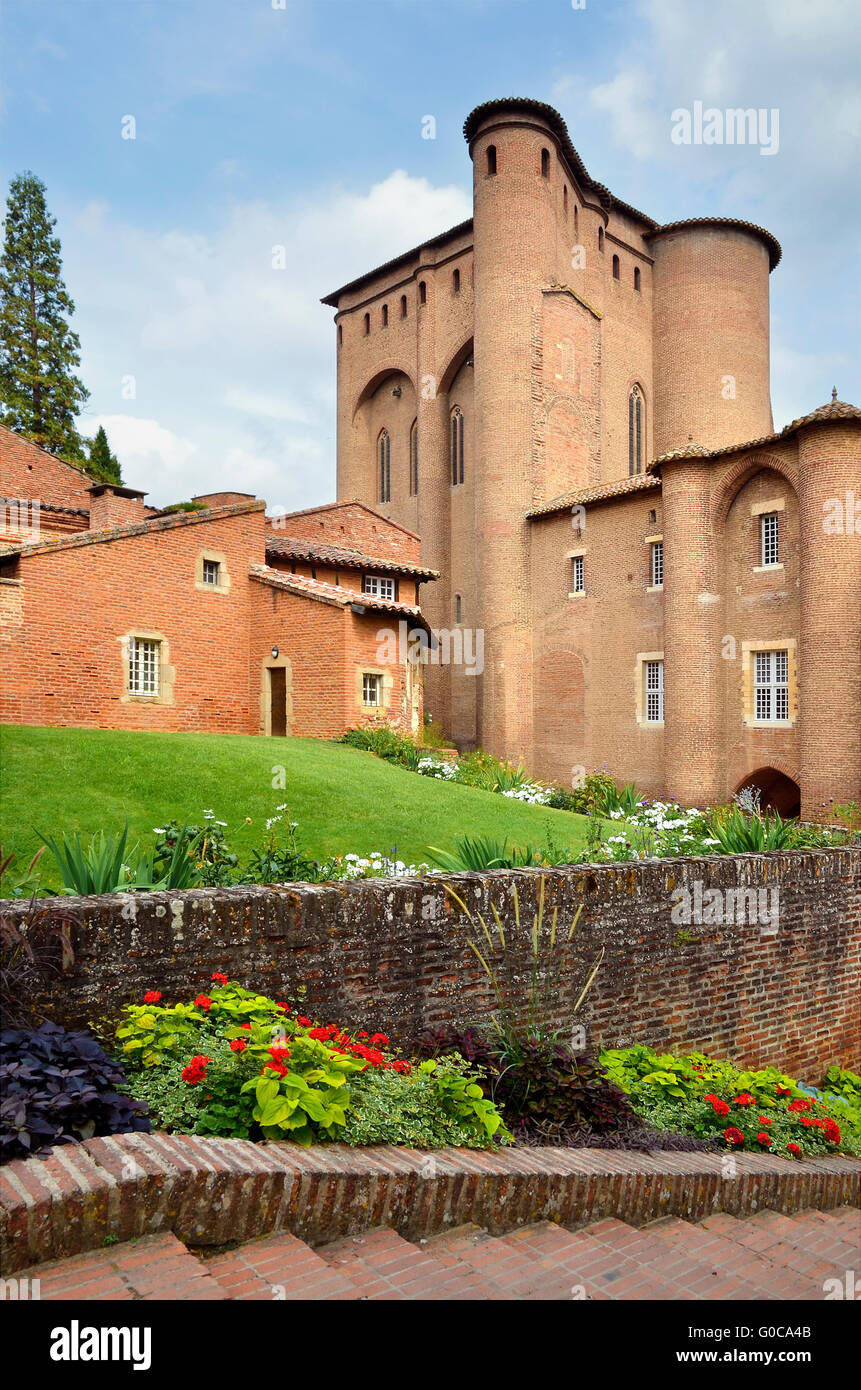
778	792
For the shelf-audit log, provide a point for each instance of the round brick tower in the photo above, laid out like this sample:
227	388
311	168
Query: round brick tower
829	491
516	175
710	329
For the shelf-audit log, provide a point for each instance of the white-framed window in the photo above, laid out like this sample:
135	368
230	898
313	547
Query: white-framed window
770	538
578	574
771	687
378	585
654	692
143	666
211	572
657	564
372	689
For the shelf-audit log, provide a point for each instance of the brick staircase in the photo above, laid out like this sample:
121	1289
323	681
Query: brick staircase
764	1256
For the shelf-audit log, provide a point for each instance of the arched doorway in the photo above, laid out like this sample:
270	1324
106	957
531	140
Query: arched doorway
777	792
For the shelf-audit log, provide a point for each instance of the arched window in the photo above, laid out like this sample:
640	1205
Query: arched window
456	446
545	164
575	219
455	282
565	199
414	459
367	324
636	277
385	458
458	608
385	315
615	267
600	238
491	159
340	334
636	430
403	306
423	292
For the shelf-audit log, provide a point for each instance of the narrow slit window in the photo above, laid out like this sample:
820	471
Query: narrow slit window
616	268
456	446
458	608
385	315
385	460
545	164
423	292
455	282
578	574
414	459
367	325
600	238
635	431
491	159
636	277
403	306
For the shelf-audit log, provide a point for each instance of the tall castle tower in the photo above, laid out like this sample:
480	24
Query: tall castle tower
554	389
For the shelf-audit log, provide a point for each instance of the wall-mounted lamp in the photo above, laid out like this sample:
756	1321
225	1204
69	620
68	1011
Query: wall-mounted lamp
274	653
396	390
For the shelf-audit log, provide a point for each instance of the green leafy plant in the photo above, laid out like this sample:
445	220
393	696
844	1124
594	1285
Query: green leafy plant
473	854
190	855
437	1103
100	867
738	833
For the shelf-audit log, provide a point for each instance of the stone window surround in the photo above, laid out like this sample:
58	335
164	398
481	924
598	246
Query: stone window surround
386	685
650	541
772	644
573	555
166	672
220	559
640	690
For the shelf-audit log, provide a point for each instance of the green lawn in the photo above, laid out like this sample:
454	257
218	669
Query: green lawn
344	800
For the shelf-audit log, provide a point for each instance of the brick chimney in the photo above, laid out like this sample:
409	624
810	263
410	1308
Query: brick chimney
111	505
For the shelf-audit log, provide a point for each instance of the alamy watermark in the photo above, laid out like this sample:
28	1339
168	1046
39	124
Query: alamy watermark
20	516
735	126
458	646
722	906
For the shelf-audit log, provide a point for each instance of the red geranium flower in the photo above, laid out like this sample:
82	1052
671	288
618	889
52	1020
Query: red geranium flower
794	1150
238	1045
764	1120
196	1070
763	1138
303	1022
832	1131
152	996
799	1105
782	1091
285	1008
745	1099
203	1001
219	978
733	1136
719	1106
380	1039
278	1069
364	1035
402	1066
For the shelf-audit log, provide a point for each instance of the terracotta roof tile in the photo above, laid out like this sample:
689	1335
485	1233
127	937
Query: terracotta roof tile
774	248
295	548
833	411
332	594
600	493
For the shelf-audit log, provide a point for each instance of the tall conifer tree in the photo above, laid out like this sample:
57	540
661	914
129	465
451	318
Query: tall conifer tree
102	464
40	395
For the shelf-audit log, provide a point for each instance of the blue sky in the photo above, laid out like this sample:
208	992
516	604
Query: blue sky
302	126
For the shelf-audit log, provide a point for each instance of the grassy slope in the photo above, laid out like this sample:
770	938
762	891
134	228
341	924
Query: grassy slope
344	800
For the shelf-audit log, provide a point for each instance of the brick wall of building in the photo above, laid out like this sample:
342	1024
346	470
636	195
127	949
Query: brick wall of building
64	663
395	954
29	472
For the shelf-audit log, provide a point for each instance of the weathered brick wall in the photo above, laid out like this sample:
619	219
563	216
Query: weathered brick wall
395	954
26	471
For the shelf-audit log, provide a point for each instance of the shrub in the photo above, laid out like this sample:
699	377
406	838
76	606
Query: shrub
761	1109
239	1064
382	740
435	1104
59	1088
737	833
107	865
838	1081
473	854
204	845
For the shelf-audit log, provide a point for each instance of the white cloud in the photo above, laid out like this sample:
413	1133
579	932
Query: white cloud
233	361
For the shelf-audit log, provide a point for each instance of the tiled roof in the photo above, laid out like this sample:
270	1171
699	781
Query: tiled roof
833	412
601	493
332	594
459	230
774	248
295	548
49	506
135	528
560	130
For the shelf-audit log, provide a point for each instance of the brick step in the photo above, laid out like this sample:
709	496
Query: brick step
543	1261
837	1240
155	1267
277	1268
382	1265
736	1250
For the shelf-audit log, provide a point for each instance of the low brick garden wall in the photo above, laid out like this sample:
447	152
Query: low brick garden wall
782	988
